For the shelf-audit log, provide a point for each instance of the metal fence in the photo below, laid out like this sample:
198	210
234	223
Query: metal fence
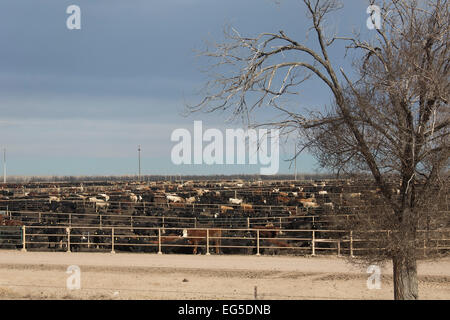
205	240
116	220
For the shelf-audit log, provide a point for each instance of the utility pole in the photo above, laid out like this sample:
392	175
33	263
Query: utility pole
139	156
4	165
295	163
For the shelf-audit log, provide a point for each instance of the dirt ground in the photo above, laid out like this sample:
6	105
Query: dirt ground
42	275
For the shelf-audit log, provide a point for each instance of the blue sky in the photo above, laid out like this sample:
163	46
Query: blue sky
78	102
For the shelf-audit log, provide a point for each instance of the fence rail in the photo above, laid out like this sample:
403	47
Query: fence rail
116	220
207	240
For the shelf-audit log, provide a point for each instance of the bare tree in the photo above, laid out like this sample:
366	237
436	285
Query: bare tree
389	117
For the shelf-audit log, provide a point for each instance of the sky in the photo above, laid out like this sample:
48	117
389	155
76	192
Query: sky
79	102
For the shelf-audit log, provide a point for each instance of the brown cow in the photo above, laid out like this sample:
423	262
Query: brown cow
225	209
197	236
9	222
268	231
281	199
247	208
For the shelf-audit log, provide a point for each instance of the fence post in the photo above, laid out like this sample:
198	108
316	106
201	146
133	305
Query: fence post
159	241
24	234
257	243
162	223
351	244
100	221
70	219
339	248
112	241
313	243
248	223
424	247
281	225
68	239
207	242
195	222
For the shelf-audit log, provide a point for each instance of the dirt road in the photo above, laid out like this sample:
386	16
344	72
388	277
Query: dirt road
42	275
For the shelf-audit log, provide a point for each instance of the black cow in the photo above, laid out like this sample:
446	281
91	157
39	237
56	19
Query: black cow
101	239
77	240
55	236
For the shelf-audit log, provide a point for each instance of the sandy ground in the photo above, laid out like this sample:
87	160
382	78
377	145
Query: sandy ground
42	275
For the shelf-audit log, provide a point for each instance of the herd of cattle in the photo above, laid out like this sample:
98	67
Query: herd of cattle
83	215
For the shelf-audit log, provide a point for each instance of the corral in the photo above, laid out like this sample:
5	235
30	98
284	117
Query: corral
228	217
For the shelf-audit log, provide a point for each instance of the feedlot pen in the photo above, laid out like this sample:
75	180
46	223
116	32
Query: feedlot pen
204	240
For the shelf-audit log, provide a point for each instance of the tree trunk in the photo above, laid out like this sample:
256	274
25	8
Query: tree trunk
405	277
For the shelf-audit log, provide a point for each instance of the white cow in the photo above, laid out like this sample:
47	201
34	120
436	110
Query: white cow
235	201
310	204
104	196
174	198
191	200
134	198
329	205
99	203
53	198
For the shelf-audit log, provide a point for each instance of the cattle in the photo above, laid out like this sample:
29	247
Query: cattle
201	192
55	236
247	208
329	205
197	237
309	203
268	236
134	198
191	200
355	195
101	239
104	196
268	231
77	238
225	209
291	210
282	200
54	199
235	201
9	222
174	198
